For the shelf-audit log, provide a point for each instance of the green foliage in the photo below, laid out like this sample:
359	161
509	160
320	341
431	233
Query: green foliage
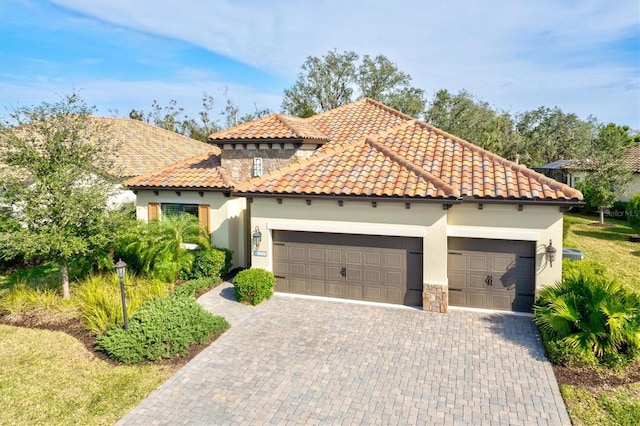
100	300
633	212
157	249
162	328
587	316
328	82
207	263
193	287
66	158
22	298
228	259
572	268
254	285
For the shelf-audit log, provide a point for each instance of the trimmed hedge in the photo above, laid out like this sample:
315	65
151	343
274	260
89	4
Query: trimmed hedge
228	258
162	328
207	263
254	285
193	287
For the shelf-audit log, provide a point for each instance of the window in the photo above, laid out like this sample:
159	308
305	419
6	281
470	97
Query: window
178	209
257	167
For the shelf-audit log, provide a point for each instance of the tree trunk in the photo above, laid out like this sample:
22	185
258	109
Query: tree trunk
64	272
602	216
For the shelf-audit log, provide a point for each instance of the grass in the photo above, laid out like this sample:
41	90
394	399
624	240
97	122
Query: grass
618	406
607	245
80	389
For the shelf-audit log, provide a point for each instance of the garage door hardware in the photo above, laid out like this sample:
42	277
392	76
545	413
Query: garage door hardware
489	281
343	272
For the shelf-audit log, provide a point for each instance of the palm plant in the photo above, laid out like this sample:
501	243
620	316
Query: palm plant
160	245
590	315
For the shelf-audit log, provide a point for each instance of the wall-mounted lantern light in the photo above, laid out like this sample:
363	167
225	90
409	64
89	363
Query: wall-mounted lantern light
256	237
551	253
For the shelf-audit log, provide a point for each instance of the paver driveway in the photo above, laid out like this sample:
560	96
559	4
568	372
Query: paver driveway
300	361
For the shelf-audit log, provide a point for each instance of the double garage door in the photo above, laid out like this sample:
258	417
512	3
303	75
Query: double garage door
493	274
360	267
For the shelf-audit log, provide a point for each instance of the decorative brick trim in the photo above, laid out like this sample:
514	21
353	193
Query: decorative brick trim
435	298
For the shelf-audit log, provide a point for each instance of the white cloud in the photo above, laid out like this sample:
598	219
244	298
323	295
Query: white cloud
516	55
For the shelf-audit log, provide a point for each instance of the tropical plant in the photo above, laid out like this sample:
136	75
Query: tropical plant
159	246
590	315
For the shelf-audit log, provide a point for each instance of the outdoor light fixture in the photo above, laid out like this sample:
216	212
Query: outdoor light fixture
257	238
551	253
121	269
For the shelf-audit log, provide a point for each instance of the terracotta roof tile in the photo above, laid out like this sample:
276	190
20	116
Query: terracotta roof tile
633	157
275	126
202	171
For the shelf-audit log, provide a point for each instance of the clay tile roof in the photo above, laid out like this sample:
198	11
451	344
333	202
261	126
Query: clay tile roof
377	151
199	172
633	157
143	147
275	126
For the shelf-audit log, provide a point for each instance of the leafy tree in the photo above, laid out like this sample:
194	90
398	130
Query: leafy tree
472	119
232	112
549	135
56	176
608	171
331	81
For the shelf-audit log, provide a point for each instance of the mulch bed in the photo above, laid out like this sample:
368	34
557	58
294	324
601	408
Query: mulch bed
596	379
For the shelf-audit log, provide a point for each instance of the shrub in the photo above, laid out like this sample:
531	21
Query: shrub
163	328
587	316
586	267
207	263
228	259
633	212
193	287
23	298
101	303
254	285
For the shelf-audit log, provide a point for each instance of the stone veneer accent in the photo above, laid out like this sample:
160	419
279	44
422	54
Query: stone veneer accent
239	162
435	298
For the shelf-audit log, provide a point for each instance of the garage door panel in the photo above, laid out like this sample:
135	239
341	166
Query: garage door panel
477	263
360	267
509	264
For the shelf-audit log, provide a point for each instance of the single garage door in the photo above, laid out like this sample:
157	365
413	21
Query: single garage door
492	274
361	267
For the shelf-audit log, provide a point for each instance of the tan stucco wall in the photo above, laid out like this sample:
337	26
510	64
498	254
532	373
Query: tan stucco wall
226	216
497	221
426	221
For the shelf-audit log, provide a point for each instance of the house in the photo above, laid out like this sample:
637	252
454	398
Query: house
364	202
572	172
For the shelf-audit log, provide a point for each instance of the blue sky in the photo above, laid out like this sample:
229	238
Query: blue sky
582	56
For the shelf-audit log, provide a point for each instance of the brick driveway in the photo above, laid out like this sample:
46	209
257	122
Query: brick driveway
300	361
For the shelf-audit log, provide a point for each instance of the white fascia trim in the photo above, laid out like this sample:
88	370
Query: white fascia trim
348	228
492	233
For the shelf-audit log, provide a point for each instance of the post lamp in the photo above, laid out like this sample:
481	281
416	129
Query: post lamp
256	238
121	269
551	253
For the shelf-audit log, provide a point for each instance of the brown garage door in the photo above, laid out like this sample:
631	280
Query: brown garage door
493	274
361	267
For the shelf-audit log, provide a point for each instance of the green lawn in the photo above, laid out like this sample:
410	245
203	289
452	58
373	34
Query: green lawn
49	377
607	245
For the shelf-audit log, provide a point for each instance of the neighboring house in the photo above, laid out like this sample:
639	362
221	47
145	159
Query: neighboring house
364	202
143	147
572	172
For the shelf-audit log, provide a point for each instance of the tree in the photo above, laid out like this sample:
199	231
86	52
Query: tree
336	79
474	120
549	135
171	117
232	112
56	177
608	171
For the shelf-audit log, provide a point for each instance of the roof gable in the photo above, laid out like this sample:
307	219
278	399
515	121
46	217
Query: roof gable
272	127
